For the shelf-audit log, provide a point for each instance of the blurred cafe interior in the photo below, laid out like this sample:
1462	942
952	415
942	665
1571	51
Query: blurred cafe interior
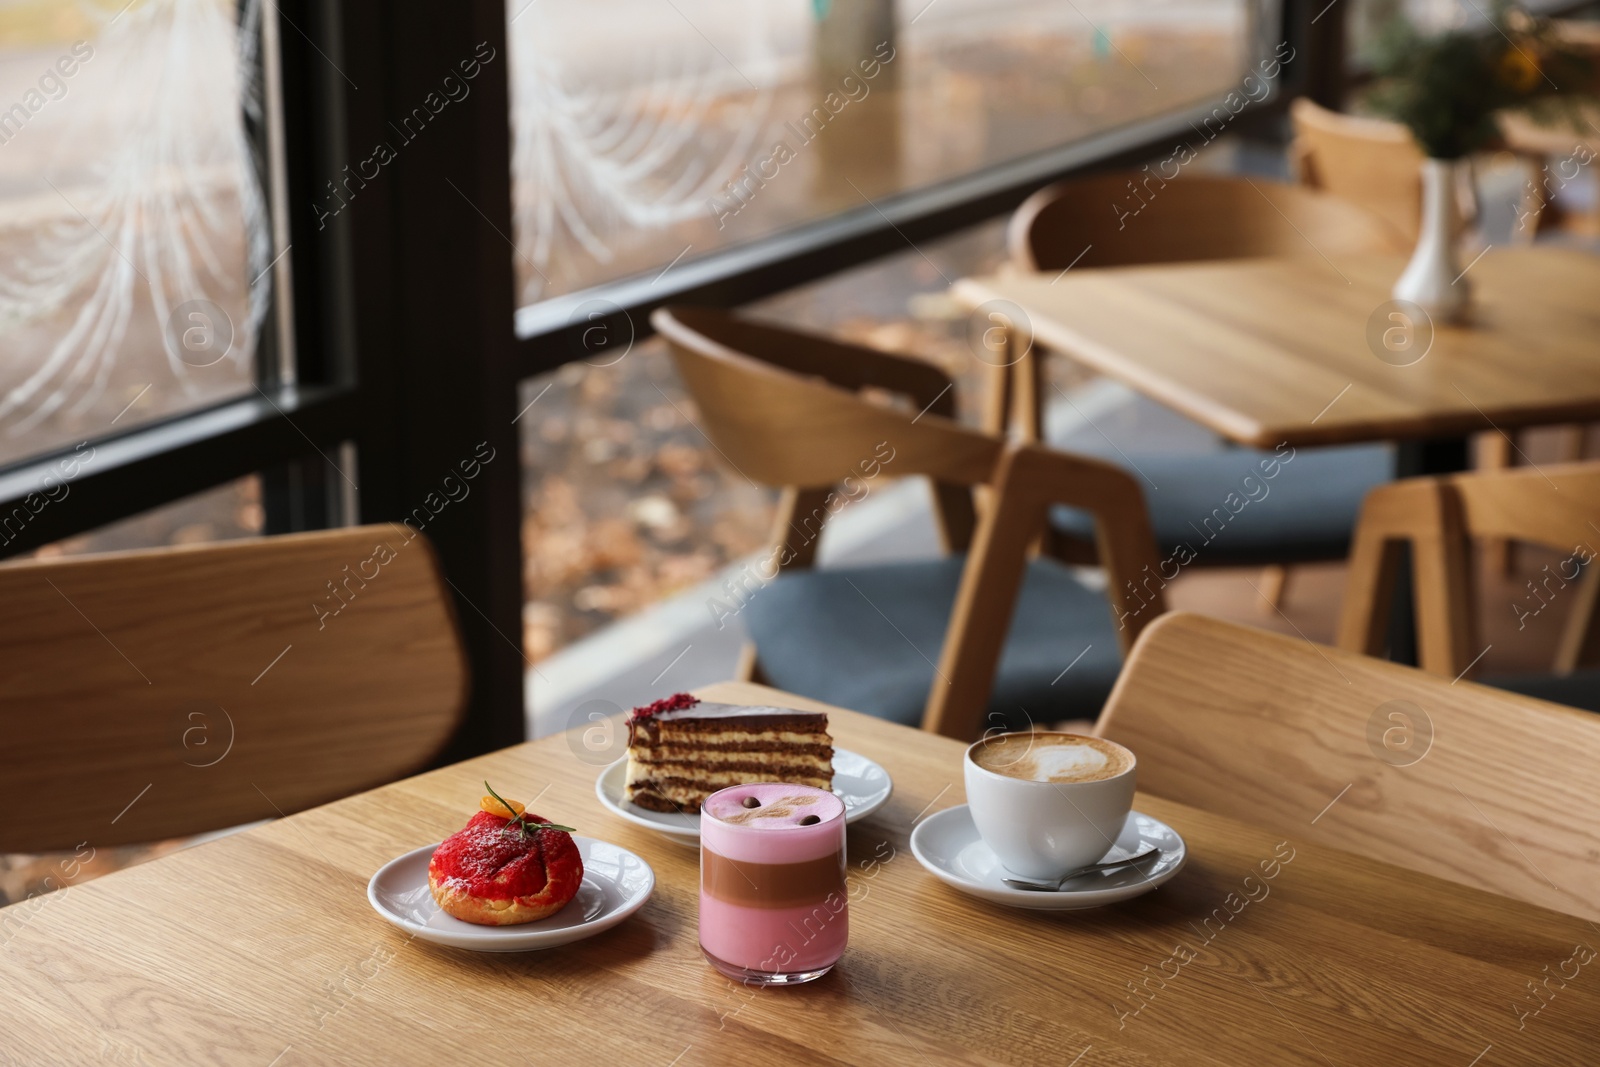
1061	531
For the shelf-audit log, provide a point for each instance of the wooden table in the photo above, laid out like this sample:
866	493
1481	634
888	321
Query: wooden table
1272	351
260	949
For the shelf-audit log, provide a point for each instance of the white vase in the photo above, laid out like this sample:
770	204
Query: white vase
1433	279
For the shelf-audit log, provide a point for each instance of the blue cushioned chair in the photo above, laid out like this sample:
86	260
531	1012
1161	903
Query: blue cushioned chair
986	636
1304	511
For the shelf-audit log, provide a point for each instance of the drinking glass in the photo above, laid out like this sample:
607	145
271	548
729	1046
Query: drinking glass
772	891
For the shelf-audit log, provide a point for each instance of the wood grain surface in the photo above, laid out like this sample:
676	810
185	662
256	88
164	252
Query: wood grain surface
261	949
1276	350
1477	785
172	691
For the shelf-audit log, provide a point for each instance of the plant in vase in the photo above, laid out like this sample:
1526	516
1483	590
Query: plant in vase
1449	89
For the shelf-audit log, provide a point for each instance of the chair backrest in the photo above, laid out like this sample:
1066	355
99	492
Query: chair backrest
161	693
786	409
1557	506
1475	785
1142	217
783	408
1368	161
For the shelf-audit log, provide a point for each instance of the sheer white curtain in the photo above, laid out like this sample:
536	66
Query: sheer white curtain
128	204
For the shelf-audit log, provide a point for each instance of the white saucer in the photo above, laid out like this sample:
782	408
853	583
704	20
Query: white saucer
616	883
949	846
862	784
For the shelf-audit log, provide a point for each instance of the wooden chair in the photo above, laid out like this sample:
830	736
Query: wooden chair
786	409
1475	785
1134	218
1557	506
1368	161
161	693
1197	217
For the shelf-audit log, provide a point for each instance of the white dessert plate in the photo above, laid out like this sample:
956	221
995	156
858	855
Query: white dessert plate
616	883
948	845
861	783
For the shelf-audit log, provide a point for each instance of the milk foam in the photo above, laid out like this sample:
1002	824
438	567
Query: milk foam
778	805
1051	757
1063	761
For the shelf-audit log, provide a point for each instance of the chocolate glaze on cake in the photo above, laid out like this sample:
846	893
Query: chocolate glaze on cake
681	750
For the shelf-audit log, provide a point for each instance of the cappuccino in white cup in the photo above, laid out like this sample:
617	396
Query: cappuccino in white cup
1046	803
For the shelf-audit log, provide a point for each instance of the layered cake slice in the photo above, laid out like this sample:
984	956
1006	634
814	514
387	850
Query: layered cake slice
681	750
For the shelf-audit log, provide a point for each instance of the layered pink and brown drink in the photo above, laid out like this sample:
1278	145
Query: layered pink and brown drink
772	891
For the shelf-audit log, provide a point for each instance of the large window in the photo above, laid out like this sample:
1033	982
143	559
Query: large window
648	133
134	241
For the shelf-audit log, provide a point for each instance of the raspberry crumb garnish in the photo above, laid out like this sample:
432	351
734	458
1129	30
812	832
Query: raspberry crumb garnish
675	702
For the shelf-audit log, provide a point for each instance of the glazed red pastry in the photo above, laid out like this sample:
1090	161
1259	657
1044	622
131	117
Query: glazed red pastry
500	871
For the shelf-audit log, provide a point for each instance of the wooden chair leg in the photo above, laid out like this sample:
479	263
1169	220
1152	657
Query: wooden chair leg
1275	586
1028	398
1494	454
797	526
956	514
1029	391
1580	637
997	414
1016	391
1369	593
1446	623
997	404
749	668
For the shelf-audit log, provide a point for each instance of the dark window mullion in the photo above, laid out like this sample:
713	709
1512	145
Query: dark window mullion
311	491
75	489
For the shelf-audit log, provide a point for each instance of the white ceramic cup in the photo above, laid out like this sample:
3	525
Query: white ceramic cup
1043	830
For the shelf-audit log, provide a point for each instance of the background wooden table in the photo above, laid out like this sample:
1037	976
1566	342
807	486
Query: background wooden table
261	949
1275	350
